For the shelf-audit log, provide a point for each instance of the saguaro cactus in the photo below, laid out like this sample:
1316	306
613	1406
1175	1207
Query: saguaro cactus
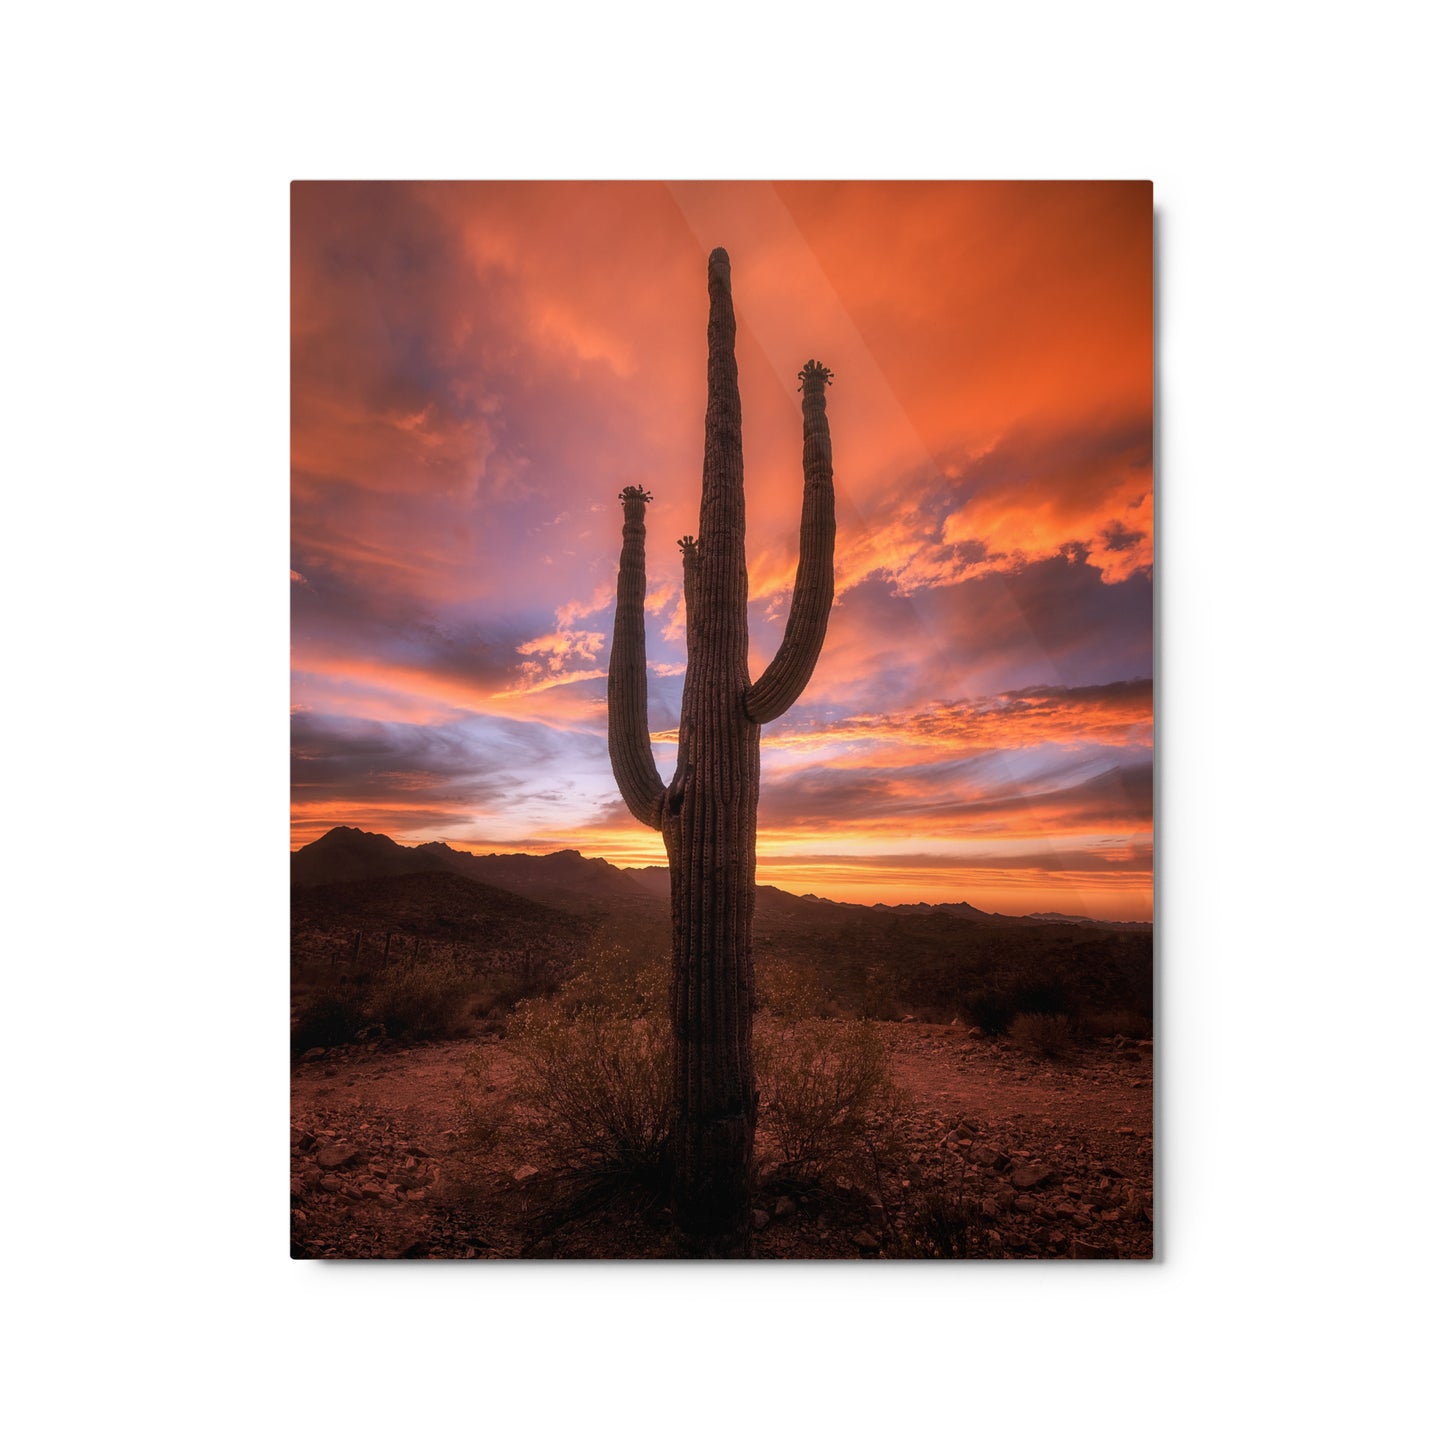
708	815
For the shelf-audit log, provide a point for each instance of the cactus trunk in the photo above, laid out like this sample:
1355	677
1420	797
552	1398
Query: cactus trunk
708	816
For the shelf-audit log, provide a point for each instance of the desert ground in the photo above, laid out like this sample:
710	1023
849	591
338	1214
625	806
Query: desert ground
1035	1159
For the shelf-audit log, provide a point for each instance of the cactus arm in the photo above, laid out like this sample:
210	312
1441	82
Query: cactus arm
629	743
688	547
787	675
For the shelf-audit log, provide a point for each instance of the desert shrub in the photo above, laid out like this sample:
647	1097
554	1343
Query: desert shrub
989	1009
484	1113
1048	1035
494	998
1108	1023
1040	994
595	1070
824	1089
791	990
422	1000
939	1225
335	1015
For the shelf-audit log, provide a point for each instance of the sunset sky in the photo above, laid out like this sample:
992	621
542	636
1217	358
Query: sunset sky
479	369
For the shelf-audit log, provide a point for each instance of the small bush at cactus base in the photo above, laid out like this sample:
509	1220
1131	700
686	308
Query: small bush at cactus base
595	1070
1048	1035
825	1093
594	1078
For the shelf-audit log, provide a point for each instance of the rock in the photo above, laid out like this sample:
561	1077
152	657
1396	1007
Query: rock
524	1173
312	1054
1029	1176
984	1156
371	1189
1081	1250
761	1219
1147	1045
864	1240
331	1183
336	1156
975	1033
784	1207
1025	1203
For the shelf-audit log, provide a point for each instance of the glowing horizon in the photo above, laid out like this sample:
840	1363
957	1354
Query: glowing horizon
479	369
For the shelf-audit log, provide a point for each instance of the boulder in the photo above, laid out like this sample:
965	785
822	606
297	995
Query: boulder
1029	1176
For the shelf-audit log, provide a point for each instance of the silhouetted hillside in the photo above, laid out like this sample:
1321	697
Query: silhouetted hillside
564	880
930	960
345	855
423	913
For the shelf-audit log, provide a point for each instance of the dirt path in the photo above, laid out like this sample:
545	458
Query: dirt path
1053	1158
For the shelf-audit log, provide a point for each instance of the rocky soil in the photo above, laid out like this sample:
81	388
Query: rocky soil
996	1154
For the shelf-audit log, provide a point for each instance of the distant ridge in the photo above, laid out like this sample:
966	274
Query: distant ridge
559	880
578	884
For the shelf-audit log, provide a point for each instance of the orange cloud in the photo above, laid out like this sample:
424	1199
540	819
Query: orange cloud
1112	715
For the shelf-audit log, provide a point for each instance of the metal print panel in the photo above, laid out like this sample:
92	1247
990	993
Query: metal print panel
722	720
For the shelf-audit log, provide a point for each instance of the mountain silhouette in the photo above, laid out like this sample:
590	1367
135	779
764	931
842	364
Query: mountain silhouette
569	881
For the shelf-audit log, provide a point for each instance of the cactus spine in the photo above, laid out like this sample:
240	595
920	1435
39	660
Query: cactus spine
708	815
